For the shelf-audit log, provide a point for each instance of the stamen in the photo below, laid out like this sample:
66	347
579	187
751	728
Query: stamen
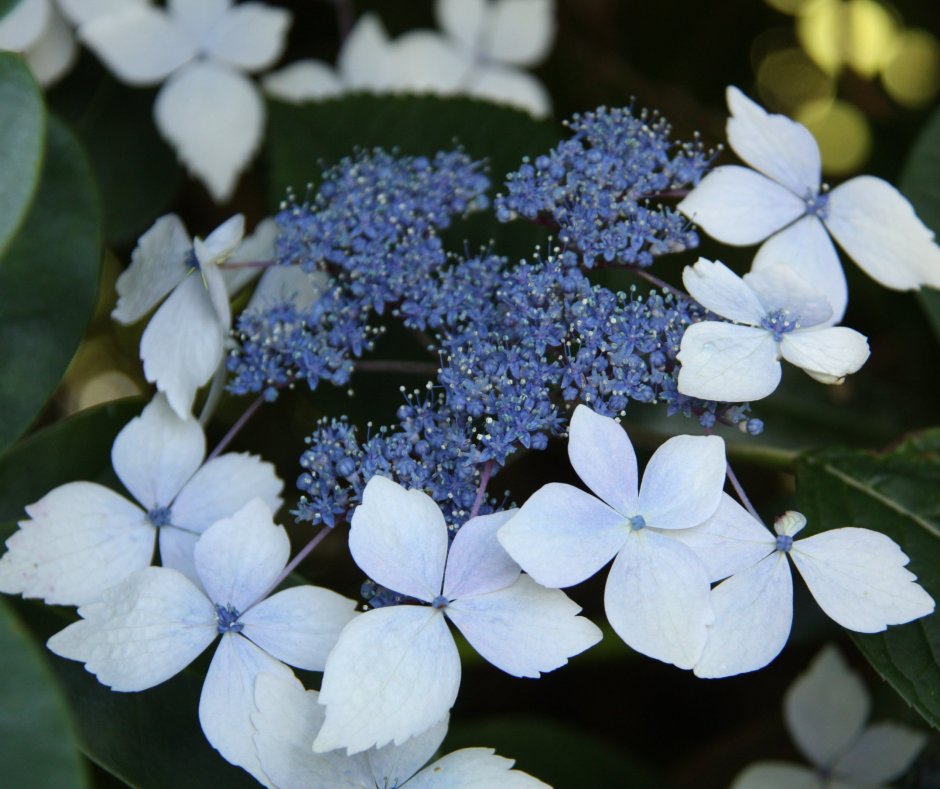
227	619
160	516
784	543
638	522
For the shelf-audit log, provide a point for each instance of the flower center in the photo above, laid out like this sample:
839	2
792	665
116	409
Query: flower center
440	602
784	543
637	522
780	322
191	261
227	619
817	205
160	516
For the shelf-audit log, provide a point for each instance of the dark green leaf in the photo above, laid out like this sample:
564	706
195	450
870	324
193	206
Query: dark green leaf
48	284
37	744
22	129
897	493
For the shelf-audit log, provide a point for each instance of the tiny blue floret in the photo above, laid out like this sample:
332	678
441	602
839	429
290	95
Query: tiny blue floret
780	322
784	543
638	522
227	619
160	516
440	602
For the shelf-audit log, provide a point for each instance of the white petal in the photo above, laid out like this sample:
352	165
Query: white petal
721	361
82	538
730	541
524	629
398	538
139	44
54	53
717	288
238	558
299	625
473	768
882	754
259	247
790	523
682	483
739	206
781	287
394	674
806	248
227	700
216	290
826	708
214	118
141	632
221	242
250	36
23	25
365	59
197	17
858	578
156	453
657	598
476	562
395	764
288	284
877	227
777	775
602	455
303	80
158	264
423	61
827	354
463	20
780	148
509	85
182	345
177	551
562	535
519	32
753	615
78	12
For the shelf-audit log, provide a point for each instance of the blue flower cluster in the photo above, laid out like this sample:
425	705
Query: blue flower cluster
597	188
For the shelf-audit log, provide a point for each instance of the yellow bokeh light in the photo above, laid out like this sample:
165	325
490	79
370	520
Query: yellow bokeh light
787	79
857	33
912	74
842	131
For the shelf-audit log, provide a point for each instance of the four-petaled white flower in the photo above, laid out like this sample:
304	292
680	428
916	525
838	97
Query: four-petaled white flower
781	200
156	622
777	314
825	711
857	576
83	537
288	719
395	671
208	109
657	594
35	29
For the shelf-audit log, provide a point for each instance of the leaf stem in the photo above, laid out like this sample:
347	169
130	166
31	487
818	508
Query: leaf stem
236	427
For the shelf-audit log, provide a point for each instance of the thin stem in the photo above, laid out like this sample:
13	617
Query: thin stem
741	494
481	490
396	366
659	283
248	264
292	564
236	428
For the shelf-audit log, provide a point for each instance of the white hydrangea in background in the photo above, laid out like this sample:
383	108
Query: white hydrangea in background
37	30
825	711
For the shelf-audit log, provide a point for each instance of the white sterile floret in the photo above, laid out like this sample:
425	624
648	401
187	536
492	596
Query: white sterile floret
776	313
156	622
825	711
35	29
82	537
288	719
657	596
395	671
781	200
208	109
857	576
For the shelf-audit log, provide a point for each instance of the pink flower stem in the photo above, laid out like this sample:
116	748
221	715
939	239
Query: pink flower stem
741	494
236	428
249	264
302	554
660	283
481	490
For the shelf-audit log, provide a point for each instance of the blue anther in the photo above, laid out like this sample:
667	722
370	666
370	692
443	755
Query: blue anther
638	522
227	619
784	543
160	516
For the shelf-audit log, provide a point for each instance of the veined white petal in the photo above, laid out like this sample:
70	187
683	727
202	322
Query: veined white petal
398	538
882	754
250	37
781	287
476	562
858	578
177	551
259	247
216	289
520	32
739	206
140	44
777	775
562	535
657	598
23	25
826	708
462	20
806	248
156	453
729	541
877	227
158	264
291	284
141	632
227	700
717	288
511	86
524	629
790	523
780	148
753	615
299	625
602	456
54	53
303	80
221	243
473	768
238	558
426	62
394	674
721	361
182	345
682	483
82	538
827	354
365	59
395	764
214	118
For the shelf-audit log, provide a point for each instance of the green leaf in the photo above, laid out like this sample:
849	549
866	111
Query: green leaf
38	746
6	6
898	494
22	130
48	284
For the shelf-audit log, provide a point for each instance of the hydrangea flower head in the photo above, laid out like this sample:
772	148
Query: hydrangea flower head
657	593
776	313
781	200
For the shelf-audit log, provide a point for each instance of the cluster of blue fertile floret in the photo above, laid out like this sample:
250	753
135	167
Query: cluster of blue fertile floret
598	188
